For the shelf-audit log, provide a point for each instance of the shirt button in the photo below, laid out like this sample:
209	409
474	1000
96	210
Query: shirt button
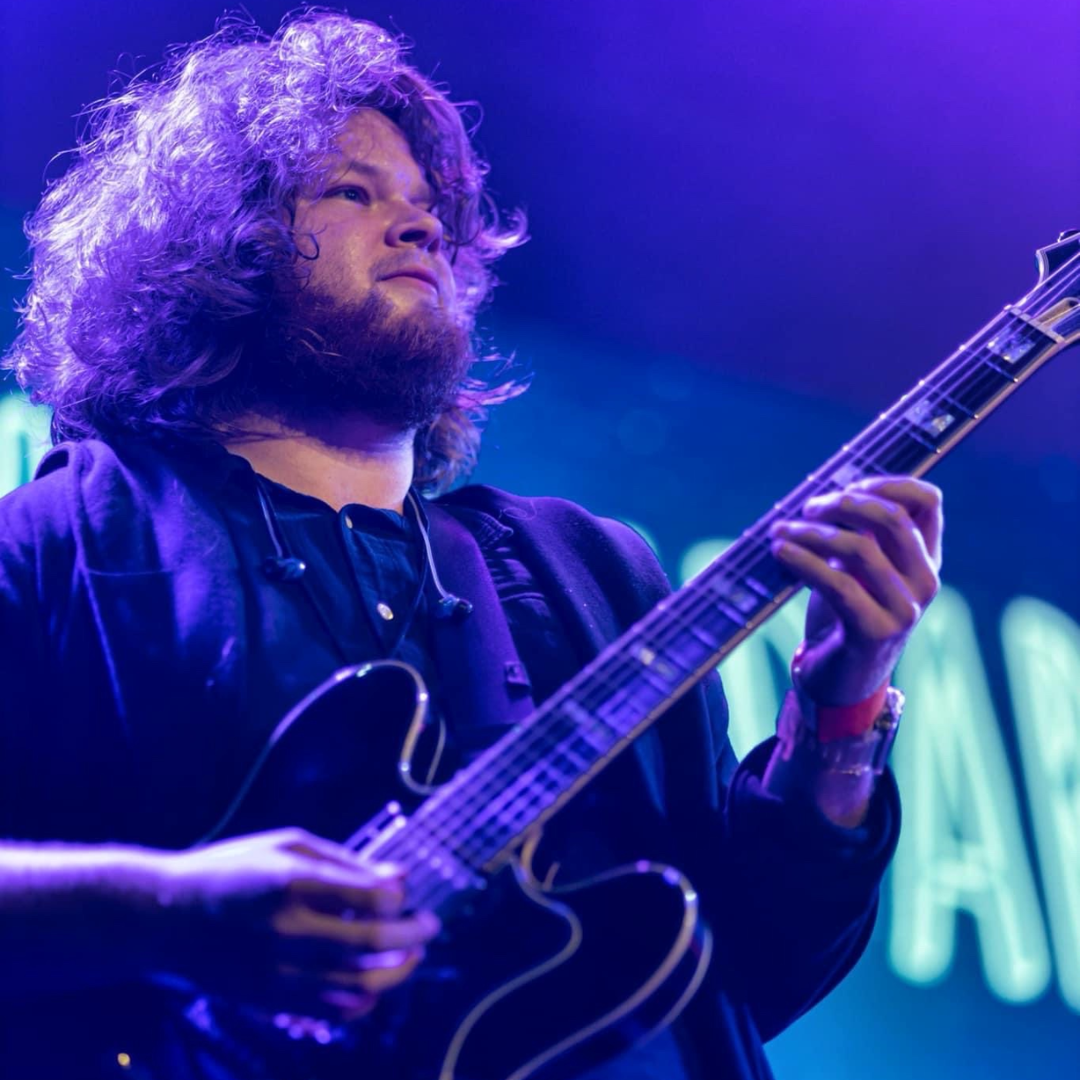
348	522
384	610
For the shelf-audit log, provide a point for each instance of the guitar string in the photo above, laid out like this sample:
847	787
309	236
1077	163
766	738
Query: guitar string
970	363
518	790
863	447
520	797
1024	332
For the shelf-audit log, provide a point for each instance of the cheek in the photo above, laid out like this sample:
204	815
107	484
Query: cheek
344	261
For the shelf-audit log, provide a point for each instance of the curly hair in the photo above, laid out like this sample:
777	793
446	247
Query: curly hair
154	255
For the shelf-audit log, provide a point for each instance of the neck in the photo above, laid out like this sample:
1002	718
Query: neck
341	459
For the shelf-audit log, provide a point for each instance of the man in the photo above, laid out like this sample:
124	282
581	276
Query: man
252	312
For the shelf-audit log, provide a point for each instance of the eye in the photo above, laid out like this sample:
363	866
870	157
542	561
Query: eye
353	193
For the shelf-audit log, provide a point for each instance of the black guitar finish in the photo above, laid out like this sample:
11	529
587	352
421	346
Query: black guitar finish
525	981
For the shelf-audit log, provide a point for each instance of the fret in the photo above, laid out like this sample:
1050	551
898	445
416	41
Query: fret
652	657
735	617
598	737
1009	377
912	431
771	578
906	453
1019	342
979	387
844	475
1042	331
758	587
656	679
956	403
613	709
928	418
856	465
686	651
734	599
697	631
590	725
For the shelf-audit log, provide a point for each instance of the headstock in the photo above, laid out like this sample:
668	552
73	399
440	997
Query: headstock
1054	304
1057	254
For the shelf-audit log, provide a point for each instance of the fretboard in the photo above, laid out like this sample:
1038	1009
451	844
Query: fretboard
481	815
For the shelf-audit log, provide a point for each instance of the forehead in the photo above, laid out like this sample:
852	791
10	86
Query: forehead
372	139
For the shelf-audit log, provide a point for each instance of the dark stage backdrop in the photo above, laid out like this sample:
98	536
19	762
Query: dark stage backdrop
755	225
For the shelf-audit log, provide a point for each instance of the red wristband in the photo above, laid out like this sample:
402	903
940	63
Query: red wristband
843	721
840	721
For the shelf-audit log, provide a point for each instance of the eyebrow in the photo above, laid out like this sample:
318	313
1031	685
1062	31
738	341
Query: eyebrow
425	194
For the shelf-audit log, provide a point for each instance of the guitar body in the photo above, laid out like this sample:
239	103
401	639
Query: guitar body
527	980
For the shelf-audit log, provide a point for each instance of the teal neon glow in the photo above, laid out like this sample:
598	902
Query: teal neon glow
1042	657
24	438
645	535
962	848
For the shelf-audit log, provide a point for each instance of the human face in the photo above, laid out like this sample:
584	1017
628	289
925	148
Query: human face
374	227
370	322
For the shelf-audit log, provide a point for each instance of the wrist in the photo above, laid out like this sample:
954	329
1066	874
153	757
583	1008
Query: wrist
831	721
798	730
850	721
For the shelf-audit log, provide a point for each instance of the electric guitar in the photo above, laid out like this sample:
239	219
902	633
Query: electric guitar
576	981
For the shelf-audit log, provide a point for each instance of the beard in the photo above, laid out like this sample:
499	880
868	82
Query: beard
323	356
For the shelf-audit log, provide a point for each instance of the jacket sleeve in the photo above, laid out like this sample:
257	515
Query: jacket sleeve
799	894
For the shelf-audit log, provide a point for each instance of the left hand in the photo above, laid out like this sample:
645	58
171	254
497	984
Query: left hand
871	553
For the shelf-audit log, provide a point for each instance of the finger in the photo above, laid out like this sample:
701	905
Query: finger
889	522
859	557
306	843
333	893
847	596
376	973
374	935
921	500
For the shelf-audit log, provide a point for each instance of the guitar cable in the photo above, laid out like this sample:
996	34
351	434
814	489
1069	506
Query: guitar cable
449	606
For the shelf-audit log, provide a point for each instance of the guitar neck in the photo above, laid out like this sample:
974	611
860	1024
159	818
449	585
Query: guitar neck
481	815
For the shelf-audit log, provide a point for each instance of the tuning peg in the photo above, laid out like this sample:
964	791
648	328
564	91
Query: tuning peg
1067	233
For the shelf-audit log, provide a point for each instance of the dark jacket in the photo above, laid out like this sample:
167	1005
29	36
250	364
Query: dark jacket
124	644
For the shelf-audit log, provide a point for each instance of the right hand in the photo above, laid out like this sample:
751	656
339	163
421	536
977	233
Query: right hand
288	922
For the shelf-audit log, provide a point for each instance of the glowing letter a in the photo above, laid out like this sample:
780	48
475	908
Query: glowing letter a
961	848
1042	656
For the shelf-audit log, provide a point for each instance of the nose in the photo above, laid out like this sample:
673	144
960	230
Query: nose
417	228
